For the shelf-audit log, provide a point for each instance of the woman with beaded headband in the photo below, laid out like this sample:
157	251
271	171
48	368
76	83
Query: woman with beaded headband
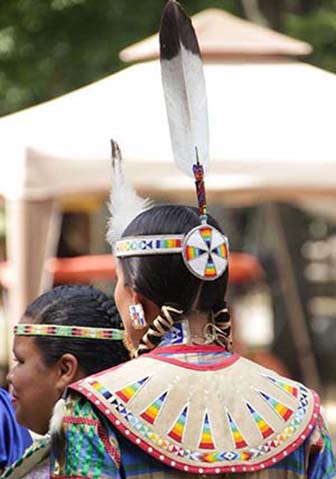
186	404
65	334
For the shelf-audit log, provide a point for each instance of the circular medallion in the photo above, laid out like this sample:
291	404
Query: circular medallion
205	252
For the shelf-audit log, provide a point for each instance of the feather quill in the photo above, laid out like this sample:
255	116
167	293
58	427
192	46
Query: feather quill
184	88
124	203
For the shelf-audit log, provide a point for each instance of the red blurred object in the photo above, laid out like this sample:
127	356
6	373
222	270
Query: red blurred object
83	269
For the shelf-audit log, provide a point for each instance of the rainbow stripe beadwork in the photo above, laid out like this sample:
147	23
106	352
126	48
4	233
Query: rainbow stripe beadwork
238	438
206	233
177	431
283	411
288	388
135	246
206	440
264	428
152	412
127	393
62	331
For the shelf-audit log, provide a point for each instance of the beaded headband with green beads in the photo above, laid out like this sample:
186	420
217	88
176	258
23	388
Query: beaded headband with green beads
76	332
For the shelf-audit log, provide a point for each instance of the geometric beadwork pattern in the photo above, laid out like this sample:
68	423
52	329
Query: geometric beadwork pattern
263	427
283	411
205	252
129	391
162	441
206	440
177	334
63	331
237	436
151	413
147	245
100	389
288	388
177	431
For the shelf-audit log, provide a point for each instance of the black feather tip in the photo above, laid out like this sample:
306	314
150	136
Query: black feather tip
176	28
115	153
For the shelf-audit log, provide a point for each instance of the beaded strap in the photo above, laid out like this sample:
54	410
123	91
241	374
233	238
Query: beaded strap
222	323
56	330
145	245
198	172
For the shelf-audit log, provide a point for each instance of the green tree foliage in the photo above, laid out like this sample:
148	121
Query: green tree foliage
318	27
50	47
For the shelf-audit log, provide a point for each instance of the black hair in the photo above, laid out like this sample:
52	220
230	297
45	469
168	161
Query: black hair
78	305
164	279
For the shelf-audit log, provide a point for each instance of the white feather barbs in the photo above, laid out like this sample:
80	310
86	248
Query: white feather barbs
124	204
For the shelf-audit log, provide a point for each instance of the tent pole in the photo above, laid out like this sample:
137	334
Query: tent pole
297	322
31	236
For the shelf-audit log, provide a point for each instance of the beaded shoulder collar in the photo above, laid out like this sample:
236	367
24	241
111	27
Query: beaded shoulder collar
235	417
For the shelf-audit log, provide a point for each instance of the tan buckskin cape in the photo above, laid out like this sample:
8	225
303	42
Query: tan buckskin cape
232	416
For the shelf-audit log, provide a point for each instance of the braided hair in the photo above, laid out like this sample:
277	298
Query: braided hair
78	305
161	324
164	279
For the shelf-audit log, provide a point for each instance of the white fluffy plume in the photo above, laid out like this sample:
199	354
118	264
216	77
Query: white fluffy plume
124	204
184	88
55	426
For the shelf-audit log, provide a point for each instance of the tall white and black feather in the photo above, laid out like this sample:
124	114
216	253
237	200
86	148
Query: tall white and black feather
184	88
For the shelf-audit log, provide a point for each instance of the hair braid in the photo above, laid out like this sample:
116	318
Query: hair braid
222	320
161	324
77	305
107	307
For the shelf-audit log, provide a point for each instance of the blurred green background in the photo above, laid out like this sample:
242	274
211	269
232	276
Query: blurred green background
50	47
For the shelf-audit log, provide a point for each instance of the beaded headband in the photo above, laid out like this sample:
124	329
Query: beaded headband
62	331
204	249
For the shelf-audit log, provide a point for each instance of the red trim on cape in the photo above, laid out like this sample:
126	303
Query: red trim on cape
190	348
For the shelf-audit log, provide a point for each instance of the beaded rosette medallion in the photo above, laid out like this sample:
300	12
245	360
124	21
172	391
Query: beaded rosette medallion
204	249
235	417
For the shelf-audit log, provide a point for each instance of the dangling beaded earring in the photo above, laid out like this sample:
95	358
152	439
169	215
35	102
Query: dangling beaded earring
137	315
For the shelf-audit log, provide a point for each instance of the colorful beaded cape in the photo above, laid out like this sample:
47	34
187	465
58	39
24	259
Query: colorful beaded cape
234	416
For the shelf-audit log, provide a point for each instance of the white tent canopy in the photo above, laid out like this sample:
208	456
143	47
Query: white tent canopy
272	137
271	127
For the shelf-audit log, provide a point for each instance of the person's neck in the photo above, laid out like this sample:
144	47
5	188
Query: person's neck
197	321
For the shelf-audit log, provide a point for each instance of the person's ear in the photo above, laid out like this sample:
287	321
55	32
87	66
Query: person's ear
67	371
135	297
